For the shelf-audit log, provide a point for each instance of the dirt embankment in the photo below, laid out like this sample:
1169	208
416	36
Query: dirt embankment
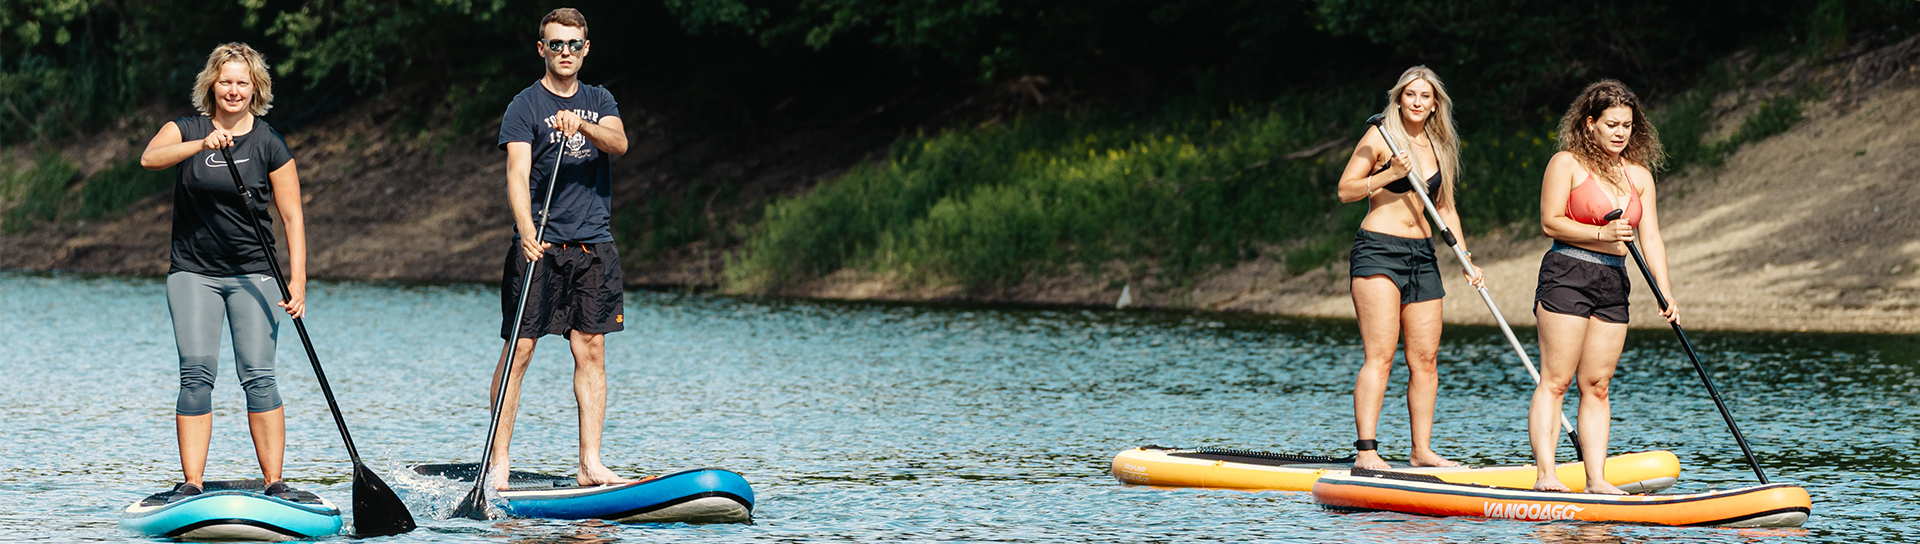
382	203
1816	229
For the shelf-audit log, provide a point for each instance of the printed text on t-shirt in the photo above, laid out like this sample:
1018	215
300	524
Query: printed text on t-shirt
577	144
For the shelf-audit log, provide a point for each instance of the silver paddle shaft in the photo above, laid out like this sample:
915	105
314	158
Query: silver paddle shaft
1420	188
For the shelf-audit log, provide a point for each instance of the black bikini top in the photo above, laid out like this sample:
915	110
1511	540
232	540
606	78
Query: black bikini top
1401	185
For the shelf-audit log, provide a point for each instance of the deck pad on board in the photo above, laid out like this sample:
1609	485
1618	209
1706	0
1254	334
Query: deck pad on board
249	486
516	480
1267	458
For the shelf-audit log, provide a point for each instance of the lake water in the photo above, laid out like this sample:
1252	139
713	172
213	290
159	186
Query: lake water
894	422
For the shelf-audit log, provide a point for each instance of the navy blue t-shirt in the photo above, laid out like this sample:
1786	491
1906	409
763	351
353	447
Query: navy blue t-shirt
211	236
583	209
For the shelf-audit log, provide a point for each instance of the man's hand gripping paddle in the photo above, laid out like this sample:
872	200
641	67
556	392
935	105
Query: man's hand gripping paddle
377	511
1446	235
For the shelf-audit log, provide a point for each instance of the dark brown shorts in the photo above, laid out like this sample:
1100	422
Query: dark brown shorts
576	287
1582	283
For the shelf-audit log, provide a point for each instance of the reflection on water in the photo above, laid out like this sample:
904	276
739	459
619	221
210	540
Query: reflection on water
1580	533
893	422
520	531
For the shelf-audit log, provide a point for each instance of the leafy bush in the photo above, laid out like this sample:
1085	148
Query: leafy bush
991	205
110	191
36	193
52	190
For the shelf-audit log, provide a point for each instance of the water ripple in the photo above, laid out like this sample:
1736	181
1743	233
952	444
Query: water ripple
895	422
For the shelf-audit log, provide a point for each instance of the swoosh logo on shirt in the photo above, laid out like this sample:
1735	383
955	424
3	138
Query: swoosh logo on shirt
220	164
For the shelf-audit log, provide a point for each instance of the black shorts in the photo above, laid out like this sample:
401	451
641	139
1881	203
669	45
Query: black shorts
1582	283
576	287
1409	262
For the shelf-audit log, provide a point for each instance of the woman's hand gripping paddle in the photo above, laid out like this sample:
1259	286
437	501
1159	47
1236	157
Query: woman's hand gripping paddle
1688	346
377	511
1420	188
474	505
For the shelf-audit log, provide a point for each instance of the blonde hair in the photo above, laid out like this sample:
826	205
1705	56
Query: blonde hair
256	69
1643	146
1439	128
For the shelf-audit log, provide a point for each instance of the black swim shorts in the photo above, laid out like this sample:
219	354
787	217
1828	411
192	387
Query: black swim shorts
1583	283
1409	262
576	287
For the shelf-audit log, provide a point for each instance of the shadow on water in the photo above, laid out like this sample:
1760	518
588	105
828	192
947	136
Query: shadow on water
908	422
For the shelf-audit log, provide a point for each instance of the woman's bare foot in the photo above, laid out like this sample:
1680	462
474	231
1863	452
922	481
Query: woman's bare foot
1601	487
1546	481
1370	460
1431	459
597	474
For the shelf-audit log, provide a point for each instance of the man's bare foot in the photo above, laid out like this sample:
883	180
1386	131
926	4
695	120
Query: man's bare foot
1370	460
597	474
1548	482
499	477
1431	459
1601	487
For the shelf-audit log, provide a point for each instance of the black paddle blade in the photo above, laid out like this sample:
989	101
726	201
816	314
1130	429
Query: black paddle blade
1377	119
377	511
473	506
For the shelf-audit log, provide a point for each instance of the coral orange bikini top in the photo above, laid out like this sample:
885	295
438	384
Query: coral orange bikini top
1590	204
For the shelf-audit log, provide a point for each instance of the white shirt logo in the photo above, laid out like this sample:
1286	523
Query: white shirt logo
220	164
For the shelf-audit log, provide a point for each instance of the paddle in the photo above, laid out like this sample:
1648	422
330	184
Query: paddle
473	506
377	511
1446	235
1688	346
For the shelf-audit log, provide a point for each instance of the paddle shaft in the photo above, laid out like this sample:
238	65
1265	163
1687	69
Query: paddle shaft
1699	367
1446	235
468	506
286	295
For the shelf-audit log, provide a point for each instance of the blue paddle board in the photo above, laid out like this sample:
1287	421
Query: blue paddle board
707	495
233	510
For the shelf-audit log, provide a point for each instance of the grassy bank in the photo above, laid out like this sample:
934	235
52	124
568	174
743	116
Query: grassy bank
51	189
1117	195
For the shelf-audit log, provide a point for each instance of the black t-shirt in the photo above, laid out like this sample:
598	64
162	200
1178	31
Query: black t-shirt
583	209
211	236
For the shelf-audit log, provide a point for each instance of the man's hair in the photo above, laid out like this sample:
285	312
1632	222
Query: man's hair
257	70
565	16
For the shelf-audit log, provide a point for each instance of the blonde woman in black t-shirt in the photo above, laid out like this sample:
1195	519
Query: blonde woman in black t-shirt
219	270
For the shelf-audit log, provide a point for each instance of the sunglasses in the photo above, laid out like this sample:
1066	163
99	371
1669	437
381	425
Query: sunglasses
554	45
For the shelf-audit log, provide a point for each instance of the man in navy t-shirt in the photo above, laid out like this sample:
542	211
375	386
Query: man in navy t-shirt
576	290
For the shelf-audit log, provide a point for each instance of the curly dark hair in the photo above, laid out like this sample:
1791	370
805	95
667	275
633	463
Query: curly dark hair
1643	146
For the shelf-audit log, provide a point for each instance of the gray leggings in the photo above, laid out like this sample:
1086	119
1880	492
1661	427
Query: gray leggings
199	304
